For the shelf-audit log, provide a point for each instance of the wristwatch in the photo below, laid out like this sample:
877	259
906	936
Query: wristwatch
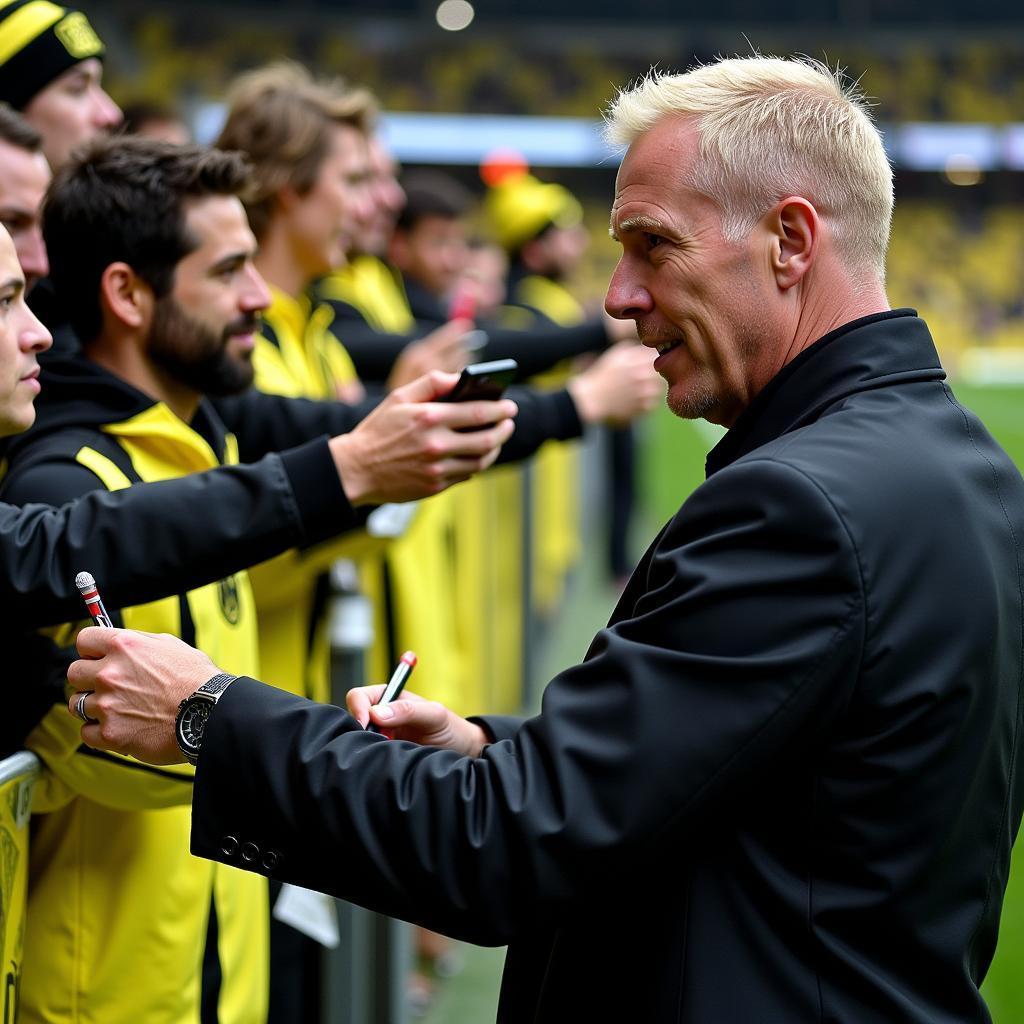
193	712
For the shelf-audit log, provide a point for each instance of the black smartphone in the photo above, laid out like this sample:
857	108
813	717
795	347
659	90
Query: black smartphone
483	381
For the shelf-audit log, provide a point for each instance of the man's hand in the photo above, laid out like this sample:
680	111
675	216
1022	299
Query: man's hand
411	446
421	721
442	349
618	386
137	682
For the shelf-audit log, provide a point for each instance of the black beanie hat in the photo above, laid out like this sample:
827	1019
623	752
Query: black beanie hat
39	41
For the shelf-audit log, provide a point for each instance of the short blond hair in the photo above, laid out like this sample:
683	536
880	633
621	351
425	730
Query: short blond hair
771	128
278	117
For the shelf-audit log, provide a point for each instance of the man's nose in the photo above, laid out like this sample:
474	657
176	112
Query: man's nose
106	113
256	296
626	298
33	336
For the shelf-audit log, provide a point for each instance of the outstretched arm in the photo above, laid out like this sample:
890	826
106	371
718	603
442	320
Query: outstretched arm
146	541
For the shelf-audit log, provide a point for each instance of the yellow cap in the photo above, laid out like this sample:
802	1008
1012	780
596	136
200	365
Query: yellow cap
520	207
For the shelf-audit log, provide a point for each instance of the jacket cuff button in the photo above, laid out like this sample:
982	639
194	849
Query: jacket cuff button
229	846
271	859
250	852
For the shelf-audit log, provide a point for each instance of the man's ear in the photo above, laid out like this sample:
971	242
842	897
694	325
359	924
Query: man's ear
125	296
795	226
286	198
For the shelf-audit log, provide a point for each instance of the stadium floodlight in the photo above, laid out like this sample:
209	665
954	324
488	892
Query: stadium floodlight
455	15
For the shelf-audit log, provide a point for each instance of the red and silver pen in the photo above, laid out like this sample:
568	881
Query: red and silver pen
396	683
91	596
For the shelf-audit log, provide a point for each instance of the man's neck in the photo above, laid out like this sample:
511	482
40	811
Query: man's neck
127	362
828	297
276	262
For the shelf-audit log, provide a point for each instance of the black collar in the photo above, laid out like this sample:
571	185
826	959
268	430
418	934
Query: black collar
877	350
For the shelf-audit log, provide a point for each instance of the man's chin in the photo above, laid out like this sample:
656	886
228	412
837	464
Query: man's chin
16	419
691	403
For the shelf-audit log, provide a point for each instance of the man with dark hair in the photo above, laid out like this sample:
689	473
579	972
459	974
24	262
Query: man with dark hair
166	301
428	246
24	175
283	500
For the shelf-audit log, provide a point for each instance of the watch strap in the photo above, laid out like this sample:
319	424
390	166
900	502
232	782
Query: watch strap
216	685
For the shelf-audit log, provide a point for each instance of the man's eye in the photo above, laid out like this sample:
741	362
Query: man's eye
652	240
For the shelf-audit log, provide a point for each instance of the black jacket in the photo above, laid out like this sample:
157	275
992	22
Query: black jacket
783	785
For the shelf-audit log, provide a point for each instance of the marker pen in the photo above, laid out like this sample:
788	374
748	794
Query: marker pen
91	596
396	683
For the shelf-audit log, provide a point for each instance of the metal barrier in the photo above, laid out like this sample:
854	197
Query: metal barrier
18	774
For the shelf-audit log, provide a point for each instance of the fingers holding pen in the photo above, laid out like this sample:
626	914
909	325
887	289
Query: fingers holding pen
361	699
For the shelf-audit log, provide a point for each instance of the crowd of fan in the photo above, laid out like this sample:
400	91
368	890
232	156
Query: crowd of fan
289	258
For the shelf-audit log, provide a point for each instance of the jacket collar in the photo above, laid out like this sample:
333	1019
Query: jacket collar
874	351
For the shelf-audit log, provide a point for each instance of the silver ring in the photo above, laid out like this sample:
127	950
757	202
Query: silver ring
80	708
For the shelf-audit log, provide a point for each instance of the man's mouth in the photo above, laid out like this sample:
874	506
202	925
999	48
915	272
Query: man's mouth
667	346
244	328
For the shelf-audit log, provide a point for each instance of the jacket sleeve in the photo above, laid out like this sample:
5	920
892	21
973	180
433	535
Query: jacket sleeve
735	644
535	349
543	416
265	423
150	540
543	346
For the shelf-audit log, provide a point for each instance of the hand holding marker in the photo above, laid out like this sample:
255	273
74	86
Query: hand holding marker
94	603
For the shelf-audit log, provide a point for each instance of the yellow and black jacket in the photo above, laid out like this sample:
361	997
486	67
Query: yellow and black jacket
296	353
374	290
122	921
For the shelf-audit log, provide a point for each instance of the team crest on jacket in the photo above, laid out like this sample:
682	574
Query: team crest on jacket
230	608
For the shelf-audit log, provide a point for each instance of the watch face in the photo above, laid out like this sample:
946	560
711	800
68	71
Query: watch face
192	724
